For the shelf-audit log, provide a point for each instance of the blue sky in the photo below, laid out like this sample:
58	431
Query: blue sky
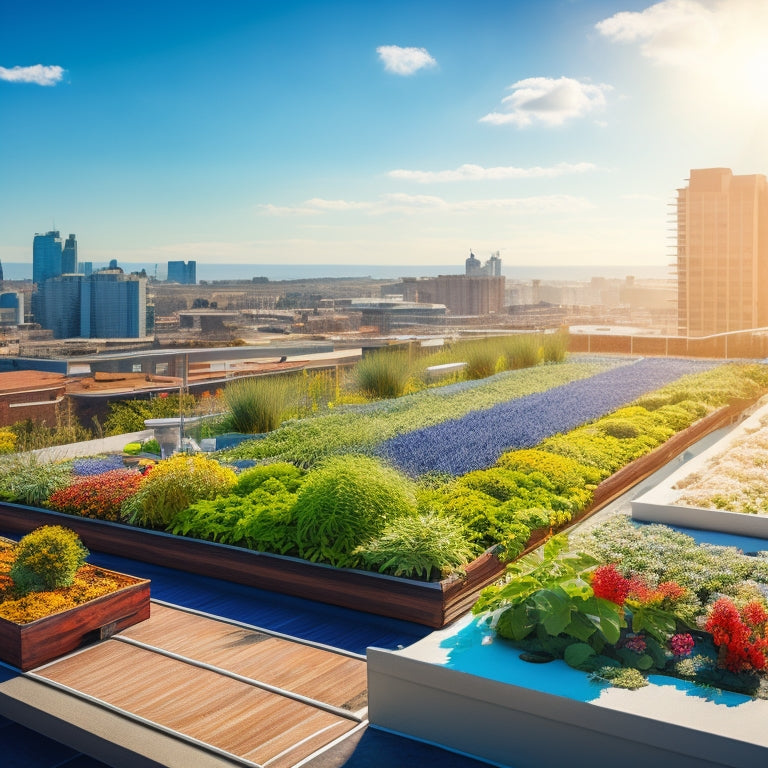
555	132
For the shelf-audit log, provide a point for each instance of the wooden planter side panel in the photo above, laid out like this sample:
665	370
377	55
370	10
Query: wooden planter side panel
27	646
432	604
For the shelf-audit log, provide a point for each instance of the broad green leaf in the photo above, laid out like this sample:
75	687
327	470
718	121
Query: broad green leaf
554	610
577	653
577	588
605	616
581	628
516	623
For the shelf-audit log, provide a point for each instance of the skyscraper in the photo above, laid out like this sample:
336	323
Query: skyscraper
722	252
183	273
69	256
46	257
107	304
113	305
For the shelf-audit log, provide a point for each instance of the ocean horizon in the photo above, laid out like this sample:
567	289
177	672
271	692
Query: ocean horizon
209	272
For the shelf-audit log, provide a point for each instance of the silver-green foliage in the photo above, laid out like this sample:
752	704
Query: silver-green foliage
28	480
423	546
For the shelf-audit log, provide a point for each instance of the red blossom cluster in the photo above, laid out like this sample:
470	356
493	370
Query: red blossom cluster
97	496
608	582
741	635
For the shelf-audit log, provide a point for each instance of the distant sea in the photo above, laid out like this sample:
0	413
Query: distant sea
209	272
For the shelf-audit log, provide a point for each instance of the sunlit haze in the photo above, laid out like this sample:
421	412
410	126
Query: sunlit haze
554	132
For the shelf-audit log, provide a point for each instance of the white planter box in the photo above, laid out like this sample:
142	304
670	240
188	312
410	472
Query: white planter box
482	700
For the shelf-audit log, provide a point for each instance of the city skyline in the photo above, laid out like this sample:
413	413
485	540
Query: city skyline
554	133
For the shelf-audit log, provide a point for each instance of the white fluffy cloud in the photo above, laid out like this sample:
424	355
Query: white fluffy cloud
547	100
39	74
400	202
694	34
469	172
404	61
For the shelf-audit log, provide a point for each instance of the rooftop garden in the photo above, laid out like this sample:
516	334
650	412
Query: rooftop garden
416	485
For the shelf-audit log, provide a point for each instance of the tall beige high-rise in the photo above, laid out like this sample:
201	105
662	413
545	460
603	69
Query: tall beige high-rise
722	252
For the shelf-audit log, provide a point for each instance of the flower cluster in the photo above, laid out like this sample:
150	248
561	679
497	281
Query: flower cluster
98	496
610	584
476	440
681	644
741	635
97	465
636	643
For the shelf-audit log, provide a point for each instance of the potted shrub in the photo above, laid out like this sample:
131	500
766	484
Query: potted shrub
51	601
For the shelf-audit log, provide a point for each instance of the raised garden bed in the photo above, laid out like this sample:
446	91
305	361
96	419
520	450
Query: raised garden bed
433	604
29	645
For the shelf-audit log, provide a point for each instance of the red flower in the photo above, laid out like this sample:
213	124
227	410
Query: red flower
741	636
610	584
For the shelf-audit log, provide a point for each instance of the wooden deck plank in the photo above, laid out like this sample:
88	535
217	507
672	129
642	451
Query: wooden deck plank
319	674
225	713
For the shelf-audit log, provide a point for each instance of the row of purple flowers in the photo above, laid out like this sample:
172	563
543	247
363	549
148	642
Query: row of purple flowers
477	440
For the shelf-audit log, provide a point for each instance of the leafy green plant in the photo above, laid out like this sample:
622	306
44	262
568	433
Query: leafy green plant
175	483
47	558
346	501
132	449
548	593
257	404
418	547
151	446
288	475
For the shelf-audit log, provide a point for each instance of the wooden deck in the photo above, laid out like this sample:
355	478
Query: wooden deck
264	699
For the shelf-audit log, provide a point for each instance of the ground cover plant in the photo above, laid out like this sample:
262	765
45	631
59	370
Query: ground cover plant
621	601
735	480
477	439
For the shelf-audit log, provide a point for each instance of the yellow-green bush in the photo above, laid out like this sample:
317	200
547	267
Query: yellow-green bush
175	483
47	558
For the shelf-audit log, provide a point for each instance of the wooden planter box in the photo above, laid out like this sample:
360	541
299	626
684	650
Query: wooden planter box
29	645
433	604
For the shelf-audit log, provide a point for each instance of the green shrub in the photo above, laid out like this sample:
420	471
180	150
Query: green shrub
175	483
564	473
27	480
151	446
289	476
47	558
384	373
129	415
258	404
345	502
487	521
418	547
132	449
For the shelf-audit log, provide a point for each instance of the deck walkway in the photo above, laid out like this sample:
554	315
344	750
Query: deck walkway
233	691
